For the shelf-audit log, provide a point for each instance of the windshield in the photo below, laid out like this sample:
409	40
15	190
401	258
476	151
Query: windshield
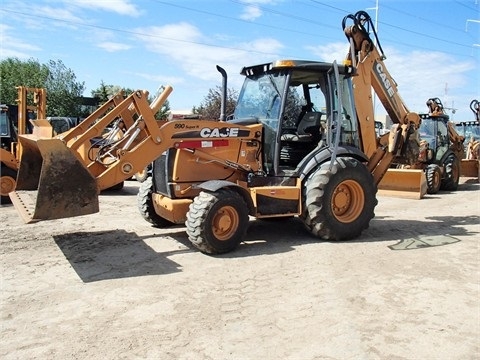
472	131
3	123
260	98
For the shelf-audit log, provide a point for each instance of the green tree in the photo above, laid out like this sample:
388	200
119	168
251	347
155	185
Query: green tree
210	107
63	90
105	92
14	72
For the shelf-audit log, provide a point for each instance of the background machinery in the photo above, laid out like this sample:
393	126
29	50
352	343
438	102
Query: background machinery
471	131
301	142
441	149
14	121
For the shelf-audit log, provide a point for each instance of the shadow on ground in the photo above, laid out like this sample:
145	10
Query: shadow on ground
113	254
118	254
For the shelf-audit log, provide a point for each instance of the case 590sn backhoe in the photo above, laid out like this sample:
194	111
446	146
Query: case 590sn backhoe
301	142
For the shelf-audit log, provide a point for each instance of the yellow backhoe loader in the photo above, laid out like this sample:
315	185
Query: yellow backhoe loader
470	165
14	121
441	149
300	142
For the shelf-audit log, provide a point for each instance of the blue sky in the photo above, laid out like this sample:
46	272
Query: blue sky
432	47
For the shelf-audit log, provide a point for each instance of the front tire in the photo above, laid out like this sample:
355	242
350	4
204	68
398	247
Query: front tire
434	178
452	173
339	203
8	180
217	221
146	207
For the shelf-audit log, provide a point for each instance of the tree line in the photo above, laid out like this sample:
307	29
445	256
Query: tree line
65	91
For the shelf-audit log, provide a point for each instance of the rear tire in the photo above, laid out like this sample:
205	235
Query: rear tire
217	221
452	173
8	180
339	203
146	207
434	178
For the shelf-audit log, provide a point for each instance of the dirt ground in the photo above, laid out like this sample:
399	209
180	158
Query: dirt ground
110	286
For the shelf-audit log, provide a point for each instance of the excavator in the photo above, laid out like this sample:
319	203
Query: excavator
300	142
14	121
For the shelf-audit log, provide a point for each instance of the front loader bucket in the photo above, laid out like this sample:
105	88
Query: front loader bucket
470	168
52	183
405	183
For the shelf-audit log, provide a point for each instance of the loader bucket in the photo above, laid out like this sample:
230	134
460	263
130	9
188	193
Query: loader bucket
405	183
52	183
470	168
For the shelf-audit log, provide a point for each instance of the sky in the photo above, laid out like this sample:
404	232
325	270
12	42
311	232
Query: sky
432	47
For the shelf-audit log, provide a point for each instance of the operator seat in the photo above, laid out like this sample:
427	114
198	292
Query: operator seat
308	129
294	147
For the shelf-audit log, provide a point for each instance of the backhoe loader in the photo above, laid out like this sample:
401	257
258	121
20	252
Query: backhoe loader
470	165
300	142
14	121
441	149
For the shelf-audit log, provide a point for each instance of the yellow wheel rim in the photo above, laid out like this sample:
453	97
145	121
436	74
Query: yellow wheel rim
225	223
348	201
7	184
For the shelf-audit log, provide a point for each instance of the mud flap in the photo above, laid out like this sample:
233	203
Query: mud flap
52	183
405	183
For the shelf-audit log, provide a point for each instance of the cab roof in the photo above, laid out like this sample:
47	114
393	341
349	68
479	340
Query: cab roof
306	65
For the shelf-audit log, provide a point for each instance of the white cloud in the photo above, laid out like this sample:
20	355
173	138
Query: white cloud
12	46
250	13
252	9
57	13
419	75
122	7
189	49
113	46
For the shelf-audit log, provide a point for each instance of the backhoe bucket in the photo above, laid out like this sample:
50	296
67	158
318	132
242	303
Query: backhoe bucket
52	183
405	183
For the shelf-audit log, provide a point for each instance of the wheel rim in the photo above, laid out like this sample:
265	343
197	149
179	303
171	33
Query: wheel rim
348	201
225	223
436	180
7	185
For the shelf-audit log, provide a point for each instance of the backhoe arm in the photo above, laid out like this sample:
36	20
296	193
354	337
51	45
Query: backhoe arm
371	72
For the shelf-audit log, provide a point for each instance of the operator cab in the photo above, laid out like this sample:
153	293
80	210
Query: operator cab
433	132
298	103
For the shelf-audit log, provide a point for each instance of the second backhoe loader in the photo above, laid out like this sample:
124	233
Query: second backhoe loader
470	165
300	142
441	149
15	121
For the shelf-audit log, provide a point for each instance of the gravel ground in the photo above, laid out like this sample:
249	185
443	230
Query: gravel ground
110	286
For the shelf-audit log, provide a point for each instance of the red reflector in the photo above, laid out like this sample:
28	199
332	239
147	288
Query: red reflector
201	144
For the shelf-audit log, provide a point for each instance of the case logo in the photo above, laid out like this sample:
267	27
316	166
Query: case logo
219	132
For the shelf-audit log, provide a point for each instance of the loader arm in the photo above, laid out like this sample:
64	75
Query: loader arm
370	71
62	176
